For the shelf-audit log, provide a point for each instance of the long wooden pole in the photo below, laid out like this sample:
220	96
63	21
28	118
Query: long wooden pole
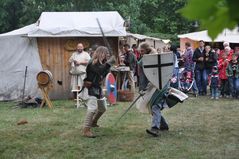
24	84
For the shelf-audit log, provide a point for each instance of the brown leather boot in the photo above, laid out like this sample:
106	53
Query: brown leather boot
87	125
87	133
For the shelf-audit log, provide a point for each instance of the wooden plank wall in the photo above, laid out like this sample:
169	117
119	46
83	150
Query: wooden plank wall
54	57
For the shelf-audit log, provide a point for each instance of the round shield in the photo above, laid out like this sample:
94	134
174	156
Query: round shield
111	88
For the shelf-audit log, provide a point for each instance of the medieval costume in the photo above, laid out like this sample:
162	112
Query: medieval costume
155	100
96	71
78	71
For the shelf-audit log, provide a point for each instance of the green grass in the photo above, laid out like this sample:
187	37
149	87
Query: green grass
200	128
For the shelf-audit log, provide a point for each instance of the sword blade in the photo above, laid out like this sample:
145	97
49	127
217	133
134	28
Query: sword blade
126	111
107	44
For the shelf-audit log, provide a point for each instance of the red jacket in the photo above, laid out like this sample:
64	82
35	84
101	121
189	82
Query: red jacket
222	66
229	57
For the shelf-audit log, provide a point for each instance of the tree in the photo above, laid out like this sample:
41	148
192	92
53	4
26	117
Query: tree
146	16
214	15
165	19
10	13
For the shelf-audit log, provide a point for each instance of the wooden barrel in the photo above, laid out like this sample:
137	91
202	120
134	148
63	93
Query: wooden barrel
44	77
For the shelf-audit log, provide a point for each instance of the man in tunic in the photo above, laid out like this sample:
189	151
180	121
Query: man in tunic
78	61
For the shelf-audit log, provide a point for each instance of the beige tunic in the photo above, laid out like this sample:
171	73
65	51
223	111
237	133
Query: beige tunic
77	80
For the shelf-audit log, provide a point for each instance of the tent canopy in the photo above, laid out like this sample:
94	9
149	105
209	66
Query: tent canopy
141	37
22	31
144	37
231	36
78	24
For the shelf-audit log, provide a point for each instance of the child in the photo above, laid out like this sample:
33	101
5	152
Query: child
233	76
214	82
223	63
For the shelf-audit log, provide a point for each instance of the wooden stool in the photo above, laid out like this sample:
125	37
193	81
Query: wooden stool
46	99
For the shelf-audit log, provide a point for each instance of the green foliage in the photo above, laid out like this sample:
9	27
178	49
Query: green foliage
165	19
173	37
214	15
10	11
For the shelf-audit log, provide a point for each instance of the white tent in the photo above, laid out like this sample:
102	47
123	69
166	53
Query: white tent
78	24
231	36
17	52
18	48
153	42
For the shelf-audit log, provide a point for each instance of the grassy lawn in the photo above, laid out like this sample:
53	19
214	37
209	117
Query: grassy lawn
199	128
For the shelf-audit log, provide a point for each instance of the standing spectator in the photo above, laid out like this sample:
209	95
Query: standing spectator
214	83
209	61
217	53
91	52
137	55
78	61
187	57
227	49
92	49
233	76
222	66
130	61
236	50
136	52
176	66
199	67
189	64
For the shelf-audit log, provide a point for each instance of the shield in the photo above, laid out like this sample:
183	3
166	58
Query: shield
111	87
158	68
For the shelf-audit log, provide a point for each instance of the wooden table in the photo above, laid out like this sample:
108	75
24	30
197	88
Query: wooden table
120	74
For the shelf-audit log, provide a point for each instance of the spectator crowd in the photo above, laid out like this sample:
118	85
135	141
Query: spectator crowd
218	69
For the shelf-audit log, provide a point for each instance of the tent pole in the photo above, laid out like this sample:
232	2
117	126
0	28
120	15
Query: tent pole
24	85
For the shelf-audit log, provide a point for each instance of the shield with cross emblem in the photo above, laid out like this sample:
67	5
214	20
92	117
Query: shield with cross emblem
158	68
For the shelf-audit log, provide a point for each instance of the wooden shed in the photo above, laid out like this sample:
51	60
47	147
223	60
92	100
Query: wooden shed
55	53
58	34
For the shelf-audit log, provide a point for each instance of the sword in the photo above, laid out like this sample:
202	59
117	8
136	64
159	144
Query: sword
141	93
104	38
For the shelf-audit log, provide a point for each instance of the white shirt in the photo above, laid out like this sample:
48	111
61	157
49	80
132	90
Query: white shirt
80	57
